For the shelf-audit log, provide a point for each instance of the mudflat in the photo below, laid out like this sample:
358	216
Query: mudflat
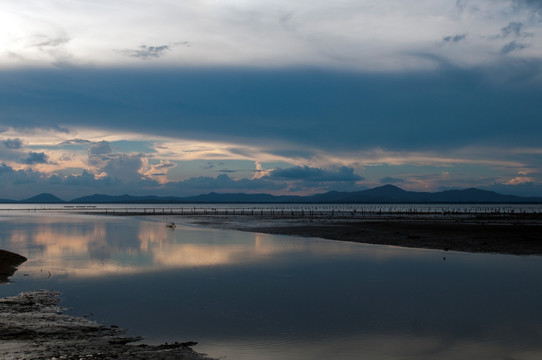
518	234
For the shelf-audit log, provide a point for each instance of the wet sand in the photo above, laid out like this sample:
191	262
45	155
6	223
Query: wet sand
508	234
32	326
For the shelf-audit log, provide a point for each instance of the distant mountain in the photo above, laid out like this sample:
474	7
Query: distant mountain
382	194
43	199
393	194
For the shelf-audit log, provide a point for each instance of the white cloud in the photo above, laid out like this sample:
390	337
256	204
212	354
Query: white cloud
367	35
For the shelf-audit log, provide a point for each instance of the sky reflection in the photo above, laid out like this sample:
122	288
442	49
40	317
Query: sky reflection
94	246
256	296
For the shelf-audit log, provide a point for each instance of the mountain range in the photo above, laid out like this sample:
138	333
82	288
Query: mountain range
381	194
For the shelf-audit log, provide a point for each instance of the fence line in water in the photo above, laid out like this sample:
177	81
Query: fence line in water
312	211
302	210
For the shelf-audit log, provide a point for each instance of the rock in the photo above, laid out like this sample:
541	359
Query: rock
8	264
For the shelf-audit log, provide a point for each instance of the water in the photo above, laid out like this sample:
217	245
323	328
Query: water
256	296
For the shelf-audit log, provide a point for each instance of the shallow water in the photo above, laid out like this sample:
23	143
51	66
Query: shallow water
256	296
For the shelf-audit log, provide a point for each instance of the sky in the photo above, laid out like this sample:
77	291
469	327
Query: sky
283	97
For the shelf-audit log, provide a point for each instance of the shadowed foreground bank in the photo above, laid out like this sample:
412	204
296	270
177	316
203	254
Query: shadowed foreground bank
519	235
32	326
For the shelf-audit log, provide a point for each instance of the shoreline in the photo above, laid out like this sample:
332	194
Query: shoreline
33	326
518	235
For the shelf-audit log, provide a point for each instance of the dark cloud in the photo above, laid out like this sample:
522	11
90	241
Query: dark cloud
11	177
535	6
36	158
145	52
211	165
223	183
12	144
99	148
453	39
513	46
5	169
513	28
392	180
287	110
312	174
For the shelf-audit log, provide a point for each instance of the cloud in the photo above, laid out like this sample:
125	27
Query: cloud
211	165
351	35
145	52
124	167
454	39
312	174
392	180
75	142
10	177
45	42
521	180
158	171
226	183
306	179
290	112
36	158
513	28
99	148
513	46
12	144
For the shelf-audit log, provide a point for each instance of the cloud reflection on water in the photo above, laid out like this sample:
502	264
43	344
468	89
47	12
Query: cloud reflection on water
88	246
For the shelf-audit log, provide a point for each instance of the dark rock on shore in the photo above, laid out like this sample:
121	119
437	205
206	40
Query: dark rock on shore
8	264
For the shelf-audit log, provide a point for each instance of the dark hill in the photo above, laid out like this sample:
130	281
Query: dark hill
44	198
382	194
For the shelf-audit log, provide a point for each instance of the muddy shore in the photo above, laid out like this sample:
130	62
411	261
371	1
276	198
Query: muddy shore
518	235
33	326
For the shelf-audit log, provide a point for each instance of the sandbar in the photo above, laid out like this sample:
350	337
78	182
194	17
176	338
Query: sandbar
505	234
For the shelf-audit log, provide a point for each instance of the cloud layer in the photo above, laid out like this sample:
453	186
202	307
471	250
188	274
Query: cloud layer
177	98
364	35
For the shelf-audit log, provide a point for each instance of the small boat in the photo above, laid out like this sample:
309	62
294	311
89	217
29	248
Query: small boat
171	225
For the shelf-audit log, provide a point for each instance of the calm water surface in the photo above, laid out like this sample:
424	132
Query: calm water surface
255	296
